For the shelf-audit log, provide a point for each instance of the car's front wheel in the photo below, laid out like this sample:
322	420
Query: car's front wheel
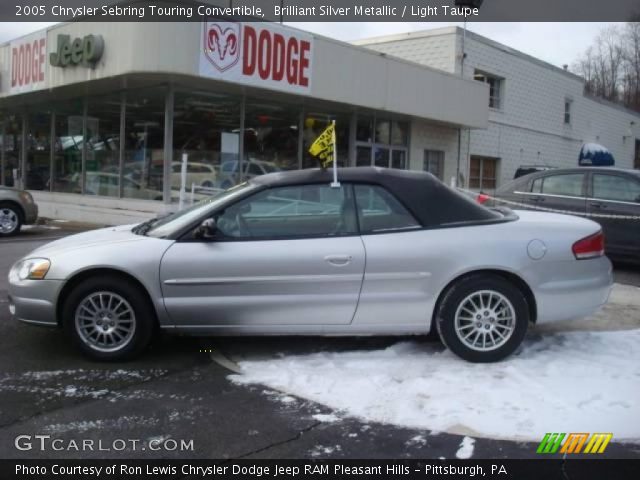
483	318
10	219
108	318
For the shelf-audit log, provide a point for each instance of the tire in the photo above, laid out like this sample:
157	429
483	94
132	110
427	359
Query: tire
108	330
10	219
492	330
207	184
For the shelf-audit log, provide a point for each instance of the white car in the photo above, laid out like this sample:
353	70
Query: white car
252	168
202	174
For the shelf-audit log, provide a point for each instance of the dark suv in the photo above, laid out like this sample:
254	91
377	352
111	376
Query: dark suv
586	190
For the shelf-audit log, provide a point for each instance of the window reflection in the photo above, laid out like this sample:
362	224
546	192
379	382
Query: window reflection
11	143
207	128
103	146
270	138
67	162
144	144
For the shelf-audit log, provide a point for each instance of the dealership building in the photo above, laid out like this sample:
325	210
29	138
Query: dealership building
95	118
538	113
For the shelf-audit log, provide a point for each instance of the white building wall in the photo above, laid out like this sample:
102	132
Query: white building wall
437	52
430	136
528	128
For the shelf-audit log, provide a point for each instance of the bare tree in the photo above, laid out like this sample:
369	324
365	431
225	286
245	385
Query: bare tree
611	66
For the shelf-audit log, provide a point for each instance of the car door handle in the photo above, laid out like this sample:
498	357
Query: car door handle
597	205
537	199
338	260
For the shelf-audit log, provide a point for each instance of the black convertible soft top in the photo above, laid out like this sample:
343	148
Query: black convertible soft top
431	202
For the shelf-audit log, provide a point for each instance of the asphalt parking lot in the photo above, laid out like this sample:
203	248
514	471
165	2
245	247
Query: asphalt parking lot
178	391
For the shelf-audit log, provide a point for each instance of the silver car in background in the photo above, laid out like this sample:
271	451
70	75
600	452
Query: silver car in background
386	252
17	208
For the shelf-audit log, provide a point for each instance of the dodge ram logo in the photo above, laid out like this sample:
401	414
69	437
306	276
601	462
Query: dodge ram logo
222	44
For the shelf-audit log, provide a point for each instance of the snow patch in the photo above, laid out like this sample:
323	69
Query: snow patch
466	448
567	382
326	417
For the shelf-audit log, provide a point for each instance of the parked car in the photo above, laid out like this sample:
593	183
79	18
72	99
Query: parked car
252	168
202	174
607	193
284	253
104	183
523	170
17	208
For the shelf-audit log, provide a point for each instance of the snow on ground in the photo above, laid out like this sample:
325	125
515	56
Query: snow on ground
558	382
466	448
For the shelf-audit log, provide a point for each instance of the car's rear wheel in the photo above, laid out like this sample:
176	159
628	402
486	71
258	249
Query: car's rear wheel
483	318
108	318
10	219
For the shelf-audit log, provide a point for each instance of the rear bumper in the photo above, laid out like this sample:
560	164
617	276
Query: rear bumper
575	290
34	301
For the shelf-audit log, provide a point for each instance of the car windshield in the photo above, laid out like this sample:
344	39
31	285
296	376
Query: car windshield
165	226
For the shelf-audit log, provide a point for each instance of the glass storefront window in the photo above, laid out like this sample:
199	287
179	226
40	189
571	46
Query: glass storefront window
388	149
270	138
68	144
38	151
314	125
364	129
363	156
381	157
207	128
144	144
12	128
399	159
383	131
399	133
103	146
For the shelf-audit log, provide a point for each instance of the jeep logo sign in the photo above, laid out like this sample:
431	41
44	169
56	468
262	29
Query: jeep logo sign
84	51
263	55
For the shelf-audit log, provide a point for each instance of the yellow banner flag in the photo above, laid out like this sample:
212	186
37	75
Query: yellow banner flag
323	146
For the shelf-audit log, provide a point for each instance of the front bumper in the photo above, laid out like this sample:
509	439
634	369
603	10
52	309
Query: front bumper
30	213
34	301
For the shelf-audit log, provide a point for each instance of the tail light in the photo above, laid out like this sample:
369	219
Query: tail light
589	247
482	198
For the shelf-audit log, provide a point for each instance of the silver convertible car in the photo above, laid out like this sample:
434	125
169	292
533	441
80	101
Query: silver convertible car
386	252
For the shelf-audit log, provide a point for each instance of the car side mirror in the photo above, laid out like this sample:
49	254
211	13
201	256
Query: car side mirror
207	229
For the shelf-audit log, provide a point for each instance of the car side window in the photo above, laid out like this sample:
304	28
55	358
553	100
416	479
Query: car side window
379	211
254	169
569	184
615	187
291	212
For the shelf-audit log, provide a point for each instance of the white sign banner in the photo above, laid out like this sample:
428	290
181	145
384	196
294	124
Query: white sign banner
260	54
28	63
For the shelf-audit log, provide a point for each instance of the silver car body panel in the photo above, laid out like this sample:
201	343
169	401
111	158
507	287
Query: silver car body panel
386	283
278	282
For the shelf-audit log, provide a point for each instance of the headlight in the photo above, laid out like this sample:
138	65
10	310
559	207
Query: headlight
32	268
26	197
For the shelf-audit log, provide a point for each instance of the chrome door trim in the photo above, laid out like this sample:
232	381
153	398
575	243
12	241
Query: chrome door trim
262	279
621	202
550	195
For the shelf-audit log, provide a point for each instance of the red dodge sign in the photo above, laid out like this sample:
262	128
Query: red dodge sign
28	63
257	54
